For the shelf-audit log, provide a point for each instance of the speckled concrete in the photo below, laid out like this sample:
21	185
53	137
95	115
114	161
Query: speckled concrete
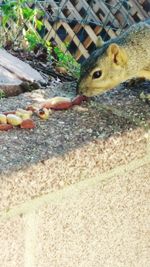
108	115
81	163
105	147
72	145
12	243
100	225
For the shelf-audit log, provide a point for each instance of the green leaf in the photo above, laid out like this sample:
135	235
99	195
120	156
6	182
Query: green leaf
27	12
39	24
5	20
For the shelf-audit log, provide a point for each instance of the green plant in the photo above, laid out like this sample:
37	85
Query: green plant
68	61
27	23
22	16
2	94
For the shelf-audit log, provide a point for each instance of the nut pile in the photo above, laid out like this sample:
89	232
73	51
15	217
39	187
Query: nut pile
20	117
23	117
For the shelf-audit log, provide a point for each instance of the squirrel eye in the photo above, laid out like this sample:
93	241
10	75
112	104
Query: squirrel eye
97	74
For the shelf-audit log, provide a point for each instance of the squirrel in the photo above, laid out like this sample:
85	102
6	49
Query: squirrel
117	60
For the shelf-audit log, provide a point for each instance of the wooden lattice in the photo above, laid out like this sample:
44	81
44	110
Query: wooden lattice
79	22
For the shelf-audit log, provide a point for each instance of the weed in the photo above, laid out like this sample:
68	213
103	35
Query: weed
2	94
67	60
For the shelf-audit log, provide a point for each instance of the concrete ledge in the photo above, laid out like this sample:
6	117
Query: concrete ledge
81	163
102	224
96	222
76	187
12	245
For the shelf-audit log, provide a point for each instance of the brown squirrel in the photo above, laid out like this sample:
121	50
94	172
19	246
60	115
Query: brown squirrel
120	59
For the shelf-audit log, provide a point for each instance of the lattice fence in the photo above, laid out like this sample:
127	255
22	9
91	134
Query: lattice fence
79	22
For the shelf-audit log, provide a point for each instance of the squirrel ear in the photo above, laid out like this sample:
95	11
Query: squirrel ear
99	42
117	54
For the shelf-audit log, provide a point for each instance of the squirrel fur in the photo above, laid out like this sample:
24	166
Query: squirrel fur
120	59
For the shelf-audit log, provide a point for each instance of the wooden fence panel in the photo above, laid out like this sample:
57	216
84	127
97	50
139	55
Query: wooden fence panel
79	22
84	20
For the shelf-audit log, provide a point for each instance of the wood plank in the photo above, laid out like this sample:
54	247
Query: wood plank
76	29
88	40
21	70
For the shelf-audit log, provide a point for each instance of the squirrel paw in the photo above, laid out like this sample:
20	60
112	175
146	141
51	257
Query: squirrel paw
135	81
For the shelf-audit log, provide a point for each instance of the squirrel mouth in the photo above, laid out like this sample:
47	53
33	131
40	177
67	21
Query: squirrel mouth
88	92
83	89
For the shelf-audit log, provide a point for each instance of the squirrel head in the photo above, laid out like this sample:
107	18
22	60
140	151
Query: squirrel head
104	69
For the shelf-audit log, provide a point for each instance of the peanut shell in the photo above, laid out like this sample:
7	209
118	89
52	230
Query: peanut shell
14	119
3	118
43	113
24	114
57	103
5	127
27	124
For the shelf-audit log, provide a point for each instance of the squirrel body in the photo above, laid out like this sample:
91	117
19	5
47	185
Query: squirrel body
120	59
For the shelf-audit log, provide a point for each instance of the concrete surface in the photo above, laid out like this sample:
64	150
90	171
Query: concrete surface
75	190
99	225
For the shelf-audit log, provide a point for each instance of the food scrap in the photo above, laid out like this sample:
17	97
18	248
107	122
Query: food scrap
43	113
60	103
14	119
22	117
27	124
3	118
57	103
5	127
24	114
